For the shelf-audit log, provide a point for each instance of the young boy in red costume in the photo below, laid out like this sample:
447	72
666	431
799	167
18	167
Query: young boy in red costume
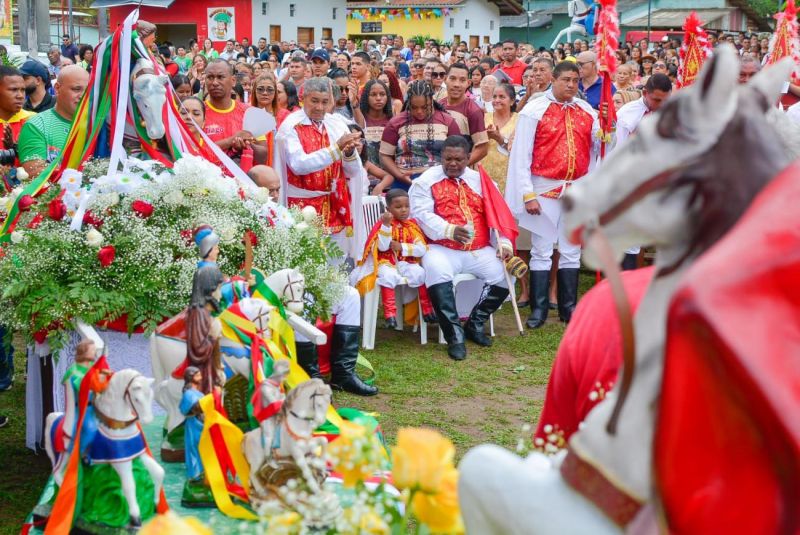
393	252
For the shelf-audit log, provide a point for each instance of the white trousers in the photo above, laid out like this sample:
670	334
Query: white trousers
391	276
347	311
551	229
442	265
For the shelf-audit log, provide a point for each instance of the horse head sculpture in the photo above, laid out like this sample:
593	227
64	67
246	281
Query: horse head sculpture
150	95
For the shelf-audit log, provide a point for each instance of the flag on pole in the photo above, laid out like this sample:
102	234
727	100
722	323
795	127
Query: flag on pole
606	46
694	50
784	40
498	214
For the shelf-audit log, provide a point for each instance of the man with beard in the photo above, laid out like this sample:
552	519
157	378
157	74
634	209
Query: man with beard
37	87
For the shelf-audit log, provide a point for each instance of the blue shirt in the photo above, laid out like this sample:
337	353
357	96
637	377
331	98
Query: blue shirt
594	91
402	70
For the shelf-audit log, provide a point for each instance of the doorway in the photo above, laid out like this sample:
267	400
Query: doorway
178	34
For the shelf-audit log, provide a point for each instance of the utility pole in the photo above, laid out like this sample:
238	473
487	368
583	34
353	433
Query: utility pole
34	26
70	25
102	22
649	11
528	26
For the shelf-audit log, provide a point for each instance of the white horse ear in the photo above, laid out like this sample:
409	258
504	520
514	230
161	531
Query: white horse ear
713	98
770	81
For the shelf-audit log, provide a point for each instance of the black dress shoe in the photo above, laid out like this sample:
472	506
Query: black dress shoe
488	305
391	323
457	351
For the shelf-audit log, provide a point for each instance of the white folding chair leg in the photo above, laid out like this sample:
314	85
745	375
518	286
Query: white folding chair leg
370	318
491	325
423	326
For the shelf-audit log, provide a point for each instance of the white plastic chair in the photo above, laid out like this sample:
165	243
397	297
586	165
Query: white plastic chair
463	277
373	208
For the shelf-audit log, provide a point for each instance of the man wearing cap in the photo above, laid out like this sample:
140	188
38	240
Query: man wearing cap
68	48
37	87
320	62
44	136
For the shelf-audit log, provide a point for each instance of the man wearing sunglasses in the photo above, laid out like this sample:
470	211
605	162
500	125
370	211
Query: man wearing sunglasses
418	70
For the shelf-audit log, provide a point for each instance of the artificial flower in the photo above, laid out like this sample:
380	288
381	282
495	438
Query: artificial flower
440	511
309	214
17	236
25	202
172	524
106	255
142	208
125	184
289	523
94	238
372	524
420	459
347	453
71	180
89	218
22	174
73	198
174	197
56	209
302	226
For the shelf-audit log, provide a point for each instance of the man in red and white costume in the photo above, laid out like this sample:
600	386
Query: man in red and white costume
448	204
656	91
556	144
320	167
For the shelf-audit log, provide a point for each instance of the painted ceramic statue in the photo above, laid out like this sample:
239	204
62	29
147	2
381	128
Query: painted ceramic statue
679	184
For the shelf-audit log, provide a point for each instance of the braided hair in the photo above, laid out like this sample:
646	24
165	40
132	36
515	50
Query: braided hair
420	88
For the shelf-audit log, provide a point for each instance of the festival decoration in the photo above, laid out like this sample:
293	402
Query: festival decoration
606	48
407	13
784	41
694	50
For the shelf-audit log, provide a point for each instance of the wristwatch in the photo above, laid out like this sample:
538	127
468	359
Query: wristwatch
505	142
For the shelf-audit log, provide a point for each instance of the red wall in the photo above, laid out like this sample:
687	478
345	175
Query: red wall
191	12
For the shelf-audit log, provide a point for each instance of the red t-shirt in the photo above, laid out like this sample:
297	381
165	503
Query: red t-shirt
514	72
221	124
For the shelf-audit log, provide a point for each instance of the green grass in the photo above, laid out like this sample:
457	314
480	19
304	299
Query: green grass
486	398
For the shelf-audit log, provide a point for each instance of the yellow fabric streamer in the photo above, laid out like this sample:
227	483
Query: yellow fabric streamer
232	437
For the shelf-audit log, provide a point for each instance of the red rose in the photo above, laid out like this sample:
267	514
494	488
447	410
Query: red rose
106	255
90	219
36	221
143	209
56	209
25	202
188	237
253	238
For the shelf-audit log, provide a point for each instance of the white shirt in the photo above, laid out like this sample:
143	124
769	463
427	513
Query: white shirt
628	118
420	195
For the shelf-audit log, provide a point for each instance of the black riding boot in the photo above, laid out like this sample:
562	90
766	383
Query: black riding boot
567	292
443	299
540	300
480	314
308	359
631	261
344	354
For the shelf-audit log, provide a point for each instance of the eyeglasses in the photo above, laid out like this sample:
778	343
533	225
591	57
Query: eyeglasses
266	90
438	74
419	65
660	65
582	63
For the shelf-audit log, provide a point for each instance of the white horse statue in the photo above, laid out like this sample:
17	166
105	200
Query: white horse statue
126	402
578	11
150	94
289	452
679	184
167	353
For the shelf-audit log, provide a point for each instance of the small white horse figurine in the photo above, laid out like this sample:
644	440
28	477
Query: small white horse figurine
679	184
150	94
126	402
293	446
168	353
578	11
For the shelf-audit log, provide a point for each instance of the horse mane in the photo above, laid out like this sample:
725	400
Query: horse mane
726	179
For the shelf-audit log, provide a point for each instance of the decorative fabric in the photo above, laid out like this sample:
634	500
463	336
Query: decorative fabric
694	50
460	205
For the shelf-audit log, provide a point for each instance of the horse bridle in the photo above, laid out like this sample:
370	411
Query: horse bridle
289	287
599	242
120	424
291	412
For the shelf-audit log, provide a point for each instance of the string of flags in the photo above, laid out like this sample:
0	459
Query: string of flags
391	14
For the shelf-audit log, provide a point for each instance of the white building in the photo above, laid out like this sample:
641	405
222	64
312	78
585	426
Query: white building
303	21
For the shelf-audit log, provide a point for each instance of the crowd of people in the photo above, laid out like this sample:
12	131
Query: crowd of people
409	120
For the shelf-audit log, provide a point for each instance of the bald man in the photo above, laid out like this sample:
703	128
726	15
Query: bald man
266	177
590	84
43	137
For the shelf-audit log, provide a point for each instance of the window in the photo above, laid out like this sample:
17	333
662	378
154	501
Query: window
291	10
456	39
327	33
466	24
334	13
452	22
263	8
305	35
491	25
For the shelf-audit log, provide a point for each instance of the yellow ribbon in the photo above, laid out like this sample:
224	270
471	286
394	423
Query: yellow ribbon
232	436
